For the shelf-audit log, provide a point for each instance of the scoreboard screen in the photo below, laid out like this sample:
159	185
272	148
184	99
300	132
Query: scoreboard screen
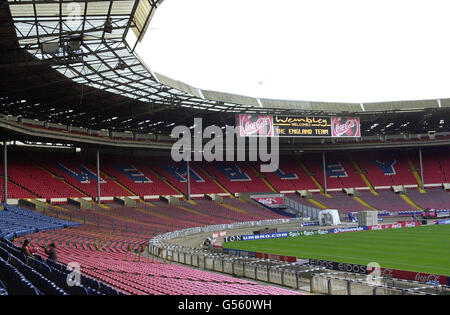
253	125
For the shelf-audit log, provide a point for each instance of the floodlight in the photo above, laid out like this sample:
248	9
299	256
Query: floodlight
50	48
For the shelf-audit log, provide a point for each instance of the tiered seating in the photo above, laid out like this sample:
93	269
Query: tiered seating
23	275
83	178
17	222
433	172
186	216
236	213
143	276
37	180
436	198
395	162
236	177
102	251
14	282
3	290
300	200
126	176
289	177
386	201
136	176
93	238
158	217
253	209
344	173
176	174
103	254
444	162
14	191
339	201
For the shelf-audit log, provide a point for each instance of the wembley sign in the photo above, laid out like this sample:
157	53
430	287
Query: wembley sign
253	125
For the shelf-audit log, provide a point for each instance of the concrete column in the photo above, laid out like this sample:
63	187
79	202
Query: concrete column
188	172
421	167
98	176
5	173
324	173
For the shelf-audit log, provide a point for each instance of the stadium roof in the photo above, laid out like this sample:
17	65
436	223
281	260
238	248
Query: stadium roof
73	62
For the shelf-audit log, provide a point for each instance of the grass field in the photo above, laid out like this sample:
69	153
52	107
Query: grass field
422	249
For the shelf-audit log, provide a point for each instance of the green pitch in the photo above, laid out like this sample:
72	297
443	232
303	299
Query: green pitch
422	249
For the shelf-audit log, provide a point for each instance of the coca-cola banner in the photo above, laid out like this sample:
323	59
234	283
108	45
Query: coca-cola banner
345	127
298	126
413	276
384	272
269	201
397	225
255	125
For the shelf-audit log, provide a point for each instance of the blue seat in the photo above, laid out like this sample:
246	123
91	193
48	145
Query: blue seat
3	290
78	290
15	282
33	275
93	292
4	254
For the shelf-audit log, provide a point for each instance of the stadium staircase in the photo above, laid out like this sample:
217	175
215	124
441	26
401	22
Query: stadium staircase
262	177
225	190
314	179
387	200
365	204
413	169
162	178
436	198
317	203
24	188
62	180
363	176
410	202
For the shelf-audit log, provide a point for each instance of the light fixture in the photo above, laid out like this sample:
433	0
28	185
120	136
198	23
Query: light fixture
50	48
108	26
121	65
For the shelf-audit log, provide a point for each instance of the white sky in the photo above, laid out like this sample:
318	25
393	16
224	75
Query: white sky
322	50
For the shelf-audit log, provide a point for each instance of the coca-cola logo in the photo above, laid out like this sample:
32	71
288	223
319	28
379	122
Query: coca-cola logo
388	273
426	277
261	126
268	201
345	127
341	129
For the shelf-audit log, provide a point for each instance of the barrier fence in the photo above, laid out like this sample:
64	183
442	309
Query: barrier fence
309	275
303	277
354	284
265	270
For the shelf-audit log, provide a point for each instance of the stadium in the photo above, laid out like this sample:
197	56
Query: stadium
357	201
